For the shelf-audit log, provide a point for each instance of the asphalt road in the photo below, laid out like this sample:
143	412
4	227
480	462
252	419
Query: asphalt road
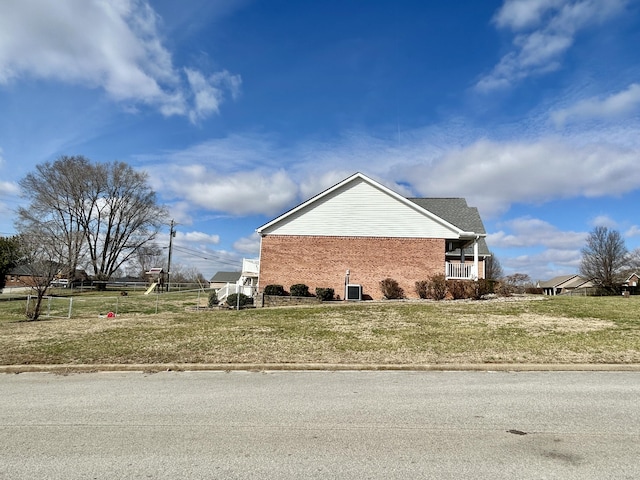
294	425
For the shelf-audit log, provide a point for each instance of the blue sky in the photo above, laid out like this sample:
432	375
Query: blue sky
239	110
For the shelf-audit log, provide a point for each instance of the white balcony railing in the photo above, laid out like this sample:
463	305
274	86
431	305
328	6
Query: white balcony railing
463	271
250	267
231	288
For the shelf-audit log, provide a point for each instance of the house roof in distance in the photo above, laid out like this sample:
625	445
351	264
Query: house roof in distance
226	277
564	281
21	270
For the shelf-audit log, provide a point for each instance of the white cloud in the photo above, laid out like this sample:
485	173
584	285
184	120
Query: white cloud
493	175
221	174
251	192
199	238
633	231
603	221
116	46
544	265
530	232
519	14
249	245
544	30
7	188
553	251
209	92
227	155
615	105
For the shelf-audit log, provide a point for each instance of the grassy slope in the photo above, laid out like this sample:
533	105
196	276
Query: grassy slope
549	330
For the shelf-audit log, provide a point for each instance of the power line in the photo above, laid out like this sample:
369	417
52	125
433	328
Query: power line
211	258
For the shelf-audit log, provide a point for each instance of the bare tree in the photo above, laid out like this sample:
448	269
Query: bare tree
41	260
56	202
147	257
516	282
185	274
105	211
493	269
634	260
605	259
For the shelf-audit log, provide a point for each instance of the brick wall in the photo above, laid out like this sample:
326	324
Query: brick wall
13	281
323	262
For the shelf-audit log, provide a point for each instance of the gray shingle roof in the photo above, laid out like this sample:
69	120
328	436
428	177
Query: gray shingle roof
21	270
226	277
457	212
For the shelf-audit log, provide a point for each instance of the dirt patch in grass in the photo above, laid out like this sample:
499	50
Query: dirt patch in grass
538	324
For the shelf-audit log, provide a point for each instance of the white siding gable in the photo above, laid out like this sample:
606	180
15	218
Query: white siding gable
360	208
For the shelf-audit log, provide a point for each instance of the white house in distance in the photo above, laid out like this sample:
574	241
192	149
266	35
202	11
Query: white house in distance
359	232
245	281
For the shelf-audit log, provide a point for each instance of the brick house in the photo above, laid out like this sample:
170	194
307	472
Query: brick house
360	232
19	277
631	284
24	276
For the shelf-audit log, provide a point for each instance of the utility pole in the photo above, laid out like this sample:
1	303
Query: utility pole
172	234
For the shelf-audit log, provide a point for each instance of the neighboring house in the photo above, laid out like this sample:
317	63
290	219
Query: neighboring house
245	281
19	277
24	276
360	232
631	284
221	279
564	284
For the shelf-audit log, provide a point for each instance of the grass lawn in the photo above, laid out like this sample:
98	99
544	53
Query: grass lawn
515	330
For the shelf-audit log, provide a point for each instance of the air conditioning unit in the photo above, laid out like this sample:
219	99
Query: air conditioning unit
354	292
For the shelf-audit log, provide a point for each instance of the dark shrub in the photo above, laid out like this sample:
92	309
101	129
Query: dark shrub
299	290
505	289
232	300
391	289
437	287
457	289
276	290
325	294
477	289
485	287
422	288
213	299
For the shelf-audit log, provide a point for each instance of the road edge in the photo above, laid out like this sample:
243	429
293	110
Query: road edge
180	367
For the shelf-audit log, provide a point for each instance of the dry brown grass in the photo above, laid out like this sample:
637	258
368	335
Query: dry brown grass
519	330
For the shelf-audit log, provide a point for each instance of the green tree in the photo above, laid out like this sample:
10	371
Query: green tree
605	259
9	256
